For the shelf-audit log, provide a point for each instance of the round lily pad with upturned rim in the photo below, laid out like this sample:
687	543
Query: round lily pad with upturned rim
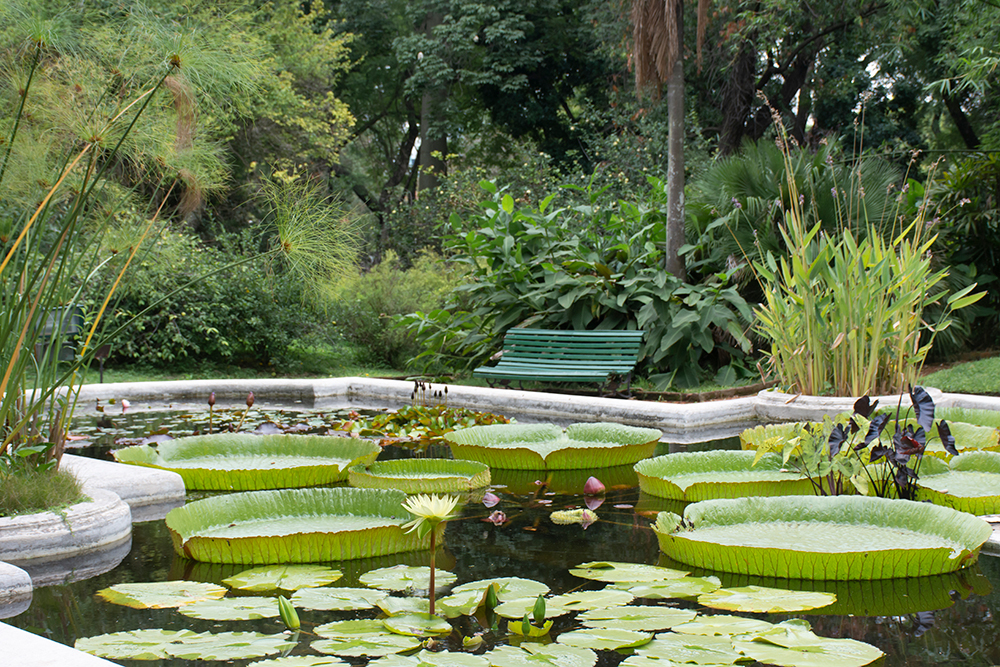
548	447
695	476
244	462
812	537
421	475
294	526
971	483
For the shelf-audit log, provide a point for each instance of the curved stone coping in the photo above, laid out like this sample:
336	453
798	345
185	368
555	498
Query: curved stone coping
149	492
15	590
103	521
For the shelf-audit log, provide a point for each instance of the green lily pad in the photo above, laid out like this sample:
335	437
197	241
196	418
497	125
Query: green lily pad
695	476
232	609
625	572
396	606
530	654
283	578
432	659
366	645
243	462
636	617
511	588
566	603
421	475
229	646
301	661
337	599
682	648
765	600
604	638
722	624
293	526
547	446
812	537
971	484
161	595
417	625
683	588
351	629
793	644
134	644
405	578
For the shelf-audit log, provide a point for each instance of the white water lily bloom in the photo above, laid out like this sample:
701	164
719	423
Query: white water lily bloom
429	511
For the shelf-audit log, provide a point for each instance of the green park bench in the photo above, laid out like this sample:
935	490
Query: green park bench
566	356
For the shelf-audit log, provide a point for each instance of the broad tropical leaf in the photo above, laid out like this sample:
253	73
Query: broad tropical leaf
243	462
421	475
546	446
293	526
812	537
695	476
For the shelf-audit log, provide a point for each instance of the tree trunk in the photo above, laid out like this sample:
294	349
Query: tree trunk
674	263
433	140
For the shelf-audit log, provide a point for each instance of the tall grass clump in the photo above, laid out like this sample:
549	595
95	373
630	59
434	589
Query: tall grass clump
846	311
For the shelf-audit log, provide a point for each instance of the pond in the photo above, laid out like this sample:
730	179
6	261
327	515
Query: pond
928	621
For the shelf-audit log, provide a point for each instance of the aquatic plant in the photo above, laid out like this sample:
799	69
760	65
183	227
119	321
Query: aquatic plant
429	511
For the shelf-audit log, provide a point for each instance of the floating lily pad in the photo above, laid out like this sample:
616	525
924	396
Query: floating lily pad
337	599
510	588
683	588
722	625
395	606
636	617
243	462
566	603
614	572
417	625
694	476
793	644
301	661
161	594
421	475
405	578
184	644
351	628
604	638
232	609
526	628
971	484
763	600
808	537
293	526
536	655
432	659
547	446
366	645
283	578
682	648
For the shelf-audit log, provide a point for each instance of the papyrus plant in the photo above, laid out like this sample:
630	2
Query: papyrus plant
845	313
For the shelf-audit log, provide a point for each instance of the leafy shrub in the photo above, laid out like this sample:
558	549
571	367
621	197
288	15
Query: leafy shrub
365	304
236	311
598	265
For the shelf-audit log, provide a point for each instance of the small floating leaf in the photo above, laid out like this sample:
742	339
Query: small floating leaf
765	600
229	646
722	624
530	654
792	644
417	625
337	599
283	578
604	639
511	588
133	645
633	617
704	650
161	595
396	606
301	661
684	588
621	572
367	645
405	577
232	609
431	659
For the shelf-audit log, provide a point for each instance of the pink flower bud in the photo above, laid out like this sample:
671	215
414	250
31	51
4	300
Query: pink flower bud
125	405
593	487
250	400
593	502
491	499
211	399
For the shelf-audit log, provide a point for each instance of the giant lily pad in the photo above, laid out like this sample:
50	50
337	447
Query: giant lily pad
971	484
694	476
243	462
810	537
293	526
546	446
421	475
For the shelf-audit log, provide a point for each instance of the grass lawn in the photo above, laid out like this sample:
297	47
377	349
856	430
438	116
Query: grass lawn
971	377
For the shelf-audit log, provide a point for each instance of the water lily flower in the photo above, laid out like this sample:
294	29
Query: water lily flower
125	405
593	487
429	511
498	518
491	499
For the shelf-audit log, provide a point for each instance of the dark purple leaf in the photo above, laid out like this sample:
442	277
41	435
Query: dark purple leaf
875	428
947	439
864	407
879	451
837	438
923	407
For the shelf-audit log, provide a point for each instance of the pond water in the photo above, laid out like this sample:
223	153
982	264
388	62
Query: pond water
947	620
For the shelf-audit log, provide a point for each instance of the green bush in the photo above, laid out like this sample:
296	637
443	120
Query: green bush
598	265
238	313
365	305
